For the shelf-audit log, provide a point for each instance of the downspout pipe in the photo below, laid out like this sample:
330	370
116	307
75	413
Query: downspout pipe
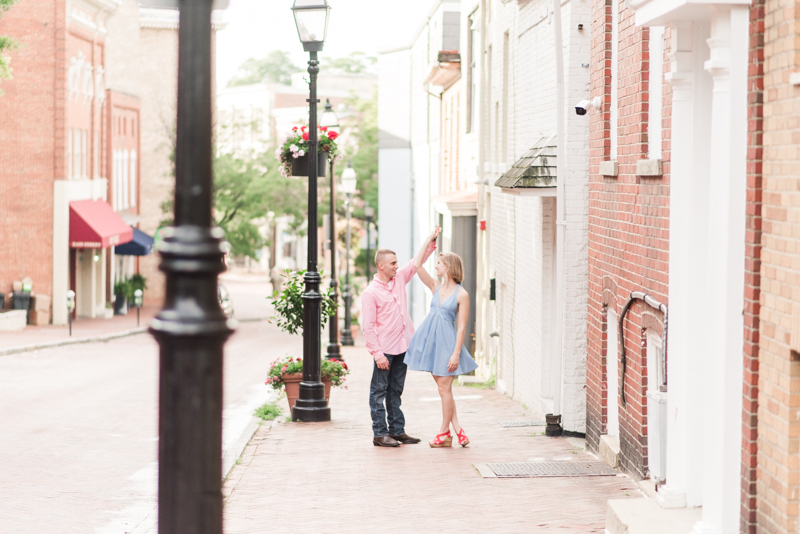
561	217
653	303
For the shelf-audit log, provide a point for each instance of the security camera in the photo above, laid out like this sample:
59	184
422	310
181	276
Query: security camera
585	105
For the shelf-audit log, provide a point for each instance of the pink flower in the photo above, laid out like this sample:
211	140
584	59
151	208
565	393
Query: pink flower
305	136
294	129
332	135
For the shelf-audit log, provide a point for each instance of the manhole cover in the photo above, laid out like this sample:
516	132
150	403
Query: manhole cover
515	424
551	469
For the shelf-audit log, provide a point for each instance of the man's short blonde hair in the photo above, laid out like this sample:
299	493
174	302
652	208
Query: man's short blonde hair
381	255
455	267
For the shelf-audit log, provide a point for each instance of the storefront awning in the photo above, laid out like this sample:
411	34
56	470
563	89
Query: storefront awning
141	245
94	224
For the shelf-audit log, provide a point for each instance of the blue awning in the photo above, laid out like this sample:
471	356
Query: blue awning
142	245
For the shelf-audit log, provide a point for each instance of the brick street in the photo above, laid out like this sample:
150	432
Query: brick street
328	477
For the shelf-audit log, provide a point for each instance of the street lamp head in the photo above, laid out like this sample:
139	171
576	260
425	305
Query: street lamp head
369	212
329	118
349	179
311	18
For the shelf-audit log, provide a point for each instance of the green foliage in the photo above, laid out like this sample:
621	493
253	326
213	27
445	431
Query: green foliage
268	412
246	188
6	43
297	145
277	67
365	154
336	371
289	303
124	288
355	63
138	282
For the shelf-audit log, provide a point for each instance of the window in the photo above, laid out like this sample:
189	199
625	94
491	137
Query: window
125	179
613	126
69	153
472	77
656	94
656	364
505	97
133	177
115	179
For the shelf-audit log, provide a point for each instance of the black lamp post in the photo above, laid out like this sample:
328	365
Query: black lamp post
330	121
349	180
369	213
311	17
191	330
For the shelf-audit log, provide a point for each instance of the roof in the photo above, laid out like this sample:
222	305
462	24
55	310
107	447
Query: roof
535	169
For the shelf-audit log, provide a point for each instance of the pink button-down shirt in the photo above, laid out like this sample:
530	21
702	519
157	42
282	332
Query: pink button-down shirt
384	312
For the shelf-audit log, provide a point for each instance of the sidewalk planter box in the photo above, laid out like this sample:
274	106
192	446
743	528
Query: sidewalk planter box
300	165
21	301
292	384
120	305
13	320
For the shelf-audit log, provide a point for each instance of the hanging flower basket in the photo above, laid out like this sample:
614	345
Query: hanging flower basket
293	153
300	165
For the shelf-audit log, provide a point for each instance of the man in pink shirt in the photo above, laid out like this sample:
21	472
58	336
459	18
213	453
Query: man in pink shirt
388	329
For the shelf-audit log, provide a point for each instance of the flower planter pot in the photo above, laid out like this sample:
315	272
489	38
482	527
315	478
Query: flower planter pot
120	305
354	330
300	165
292	385
327	383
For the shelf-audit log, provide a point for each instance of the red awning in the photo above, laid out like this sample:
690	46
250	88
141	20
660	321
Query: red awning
95	224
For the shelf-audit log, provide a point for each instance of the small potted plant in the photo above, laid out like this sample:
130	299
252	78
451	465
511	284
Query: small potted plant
286	373
334	373
293	153
122	290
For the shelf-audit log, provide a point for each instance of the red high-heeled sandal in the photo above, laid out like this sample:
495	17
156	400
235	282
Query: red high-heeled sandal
463	440
439	442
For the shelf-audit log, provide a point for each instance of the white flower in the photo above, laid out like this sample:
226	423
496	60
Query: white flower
339	157
302	153
294	148
277	152
295	155
282	171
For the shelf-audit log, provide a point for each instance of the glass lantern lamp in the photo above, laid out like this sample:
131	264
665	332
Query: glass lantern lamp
311	18
349	180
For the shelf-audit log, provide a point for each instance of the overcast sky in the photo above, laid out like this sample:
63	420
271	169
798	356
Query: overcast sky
257	27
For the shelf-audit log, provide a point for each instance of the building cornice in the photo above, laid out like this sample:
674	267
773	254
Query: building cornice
169	19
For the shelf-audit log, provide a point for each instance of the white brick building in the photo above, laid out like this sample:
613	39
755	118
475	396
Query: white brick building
502	105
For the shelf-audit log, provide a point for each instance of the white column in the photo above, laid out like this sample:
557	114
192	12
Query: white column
60	252
134	177
688	249
725	275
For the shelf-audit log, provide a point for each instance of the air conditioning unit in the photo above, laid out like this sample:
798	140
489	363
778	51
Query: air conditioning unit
657	435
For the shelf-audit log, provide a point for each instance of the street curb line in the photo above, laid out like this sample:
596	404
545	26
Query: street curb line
74	341
230	456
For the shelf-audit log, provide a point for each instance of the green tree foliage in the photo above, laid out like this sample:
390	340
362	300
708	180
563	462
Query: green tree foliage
355	63
6	43
365	152
277	67
246	188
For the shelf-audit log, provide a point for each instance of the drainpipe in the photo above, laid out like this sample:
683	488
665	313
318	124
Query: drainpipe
561	223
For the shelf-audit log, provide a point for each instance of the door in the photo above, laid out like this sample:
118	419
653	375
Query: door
465	243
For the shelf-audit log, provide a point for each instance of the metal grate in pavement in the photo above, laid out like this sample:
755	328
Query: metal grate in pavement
551	469
520	423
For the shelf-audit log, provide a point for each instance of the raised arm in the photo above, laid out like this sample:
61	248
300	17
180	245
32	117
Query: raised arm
422	256
463	315
406	273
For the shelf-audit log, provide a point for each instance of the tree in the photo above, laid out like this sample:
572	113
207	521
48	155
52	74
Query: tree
355	63
6	43
277	67
365	152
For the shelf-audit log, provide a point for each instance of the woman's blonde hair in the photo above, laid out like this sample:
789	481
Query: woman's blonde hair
455	267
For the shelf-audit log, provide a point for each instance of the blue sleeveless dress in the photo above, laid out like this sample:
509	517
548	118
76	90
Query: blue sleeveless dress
435	340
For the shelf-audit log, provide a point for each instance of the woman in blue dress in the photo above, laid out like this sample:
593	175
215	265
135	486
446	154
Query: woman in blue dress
438	347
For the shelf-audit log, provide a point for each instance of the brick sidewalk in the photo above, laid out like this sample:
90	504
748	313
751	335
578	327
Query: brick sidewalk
328	477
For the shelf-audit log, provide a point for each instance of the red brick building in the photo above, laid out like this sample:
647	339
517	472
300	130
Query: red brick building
628	231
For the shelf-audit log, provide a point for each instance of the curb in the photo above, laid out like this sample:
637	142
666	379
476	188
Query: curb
94	339
233	453
72	341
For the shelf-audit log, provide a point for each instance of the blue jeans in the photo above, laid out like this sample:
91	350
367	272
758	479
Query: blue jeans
387	384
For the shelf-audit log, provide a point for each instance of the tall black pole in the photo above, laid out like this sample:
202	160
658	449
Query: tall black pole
334	349
347	336
311	406
191	329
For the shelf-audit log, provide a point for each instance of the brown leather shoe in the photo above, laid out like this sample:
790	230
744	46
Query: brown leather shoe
405	438
385	441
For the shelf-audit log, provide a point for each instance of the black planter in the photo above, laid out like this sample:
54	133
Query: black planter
120	305
300	165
